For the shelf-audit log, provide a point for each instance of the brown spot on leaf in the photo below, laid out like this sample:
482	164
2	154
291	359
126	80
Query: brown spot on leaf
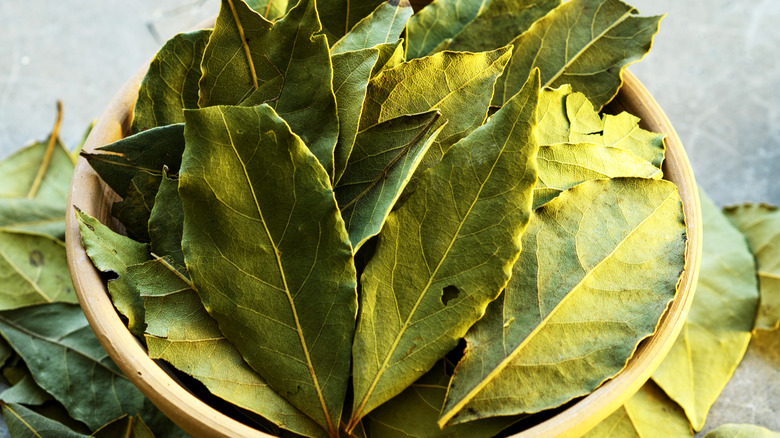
36	258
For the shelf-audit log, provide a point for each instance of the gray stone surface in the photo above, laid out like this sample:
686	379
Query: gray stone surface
714	70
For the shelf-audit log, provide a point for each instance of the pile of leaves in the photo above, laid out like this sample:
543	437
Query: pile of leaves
326	207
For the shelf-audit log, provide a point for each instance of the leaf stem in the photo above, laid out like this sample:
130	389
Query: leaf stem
55	134
244	42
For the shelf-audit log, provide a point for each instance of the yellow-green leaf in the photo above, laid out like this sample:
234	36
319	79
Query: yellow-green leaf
717	332
295	326
439	21
384	25
19	171
25	423
339	16
270	9
760	223
599	265
585	43
742	431
445	253
125	427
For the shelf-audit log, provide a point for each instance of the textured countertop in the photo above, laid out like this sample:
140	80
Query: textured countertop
713	69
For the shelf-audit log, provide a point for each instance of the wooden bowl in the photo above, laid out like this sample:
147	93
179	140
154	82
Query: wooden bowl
90	194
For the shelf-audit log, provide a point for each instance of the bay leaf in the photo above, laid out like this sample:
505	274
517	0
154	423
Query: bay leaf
33	270
647	414
181	332
33	215
717	331
585	43
166	221
171	83
499	22
351	73
148	151
270	9
445	253
25	391
25	423
125	427
339	16
599	265
385	157
384	25
565	165
760	223
439	21
298	262
459	85
112	253
391	55
136	207
741	431
67	361
414	412
19	171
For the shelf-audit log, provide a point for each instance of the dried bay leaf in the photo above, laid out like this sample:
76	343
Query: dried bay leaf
648	414
166	221
298	262
112	253
125	427
270	9
136	206
67	361
171	83
384	159
33	270
585	43
181	332
741	431
445	253
339	16
382	26
18	173
599	265
717	331
760	223
25	391
439	21
33	215
459	85
26	423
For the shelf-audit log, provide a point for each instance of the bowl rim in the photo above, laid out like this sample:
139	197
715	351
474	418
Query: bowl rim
91	195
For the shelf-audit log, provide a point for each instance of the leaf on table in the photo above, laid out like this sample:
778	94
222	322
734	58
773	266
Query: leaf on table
439	21
136	207
445	253
585	43
562	166
67	361
760	223
125	427
112	253
270	9
339	16
741	431
33	215
181	332
414	412
19	171
648	414
166	221
33	270
26	423
25	391
599	265
499	23
716	333
568	117
149	151
298	263
384	159
384	25
459	85
286	65
171	83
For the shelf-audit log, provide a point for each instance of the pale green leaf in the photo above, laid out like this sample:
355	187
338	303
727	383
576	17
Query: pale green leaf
459	85
648	414
298	262
384	25
565	165
438	22
67	361
339	16
599	265
585	43
136	206
742	431
165	222
18	172
717	331
760	223
112	253
33	270
26	423
384	159
181	332
391	55
33	215
171	83
270	9
25	391
445	253
125	427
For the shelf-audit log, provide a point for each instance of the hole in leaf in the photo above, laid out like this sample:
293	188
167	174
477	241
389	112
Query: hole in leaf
448	294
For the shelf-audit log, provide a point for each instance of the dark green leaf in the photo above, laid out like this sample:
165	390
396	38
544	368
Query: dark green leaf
33	215
339	16
384	25
25	423
136	207
125	427
438	22
166	221
298	262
